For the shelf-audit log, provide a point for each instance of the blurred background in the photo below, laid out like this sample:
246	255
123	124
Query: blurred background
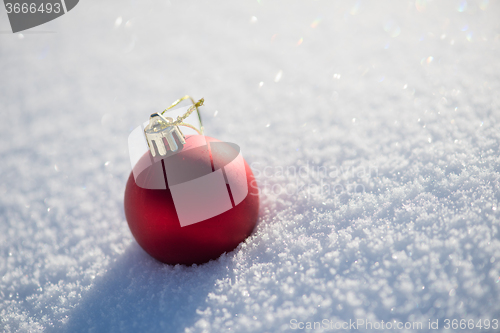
407	90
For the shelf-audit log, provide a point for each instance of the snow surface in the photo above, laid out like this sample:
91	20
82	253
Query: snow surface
398	101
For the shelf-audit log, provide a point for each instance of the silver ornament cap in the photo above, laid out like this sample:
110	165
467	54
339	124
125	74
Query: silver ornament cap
160	127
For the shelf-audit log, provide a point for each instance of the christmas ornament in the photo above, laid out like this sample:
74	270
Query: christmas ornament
189	197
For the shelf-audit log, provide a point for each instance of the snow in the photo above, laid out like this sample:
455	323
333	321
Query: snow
372	127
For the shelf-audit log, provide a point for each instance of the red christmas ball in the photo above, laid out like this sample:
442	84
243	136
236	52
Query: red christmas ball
168	220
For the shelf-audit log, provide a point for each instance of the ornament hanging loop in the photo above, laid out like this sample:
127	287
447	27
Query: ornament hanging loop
180	119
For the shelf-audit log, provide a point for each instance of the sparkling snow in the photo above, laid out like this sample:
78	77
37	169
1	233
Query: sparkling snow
373	128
